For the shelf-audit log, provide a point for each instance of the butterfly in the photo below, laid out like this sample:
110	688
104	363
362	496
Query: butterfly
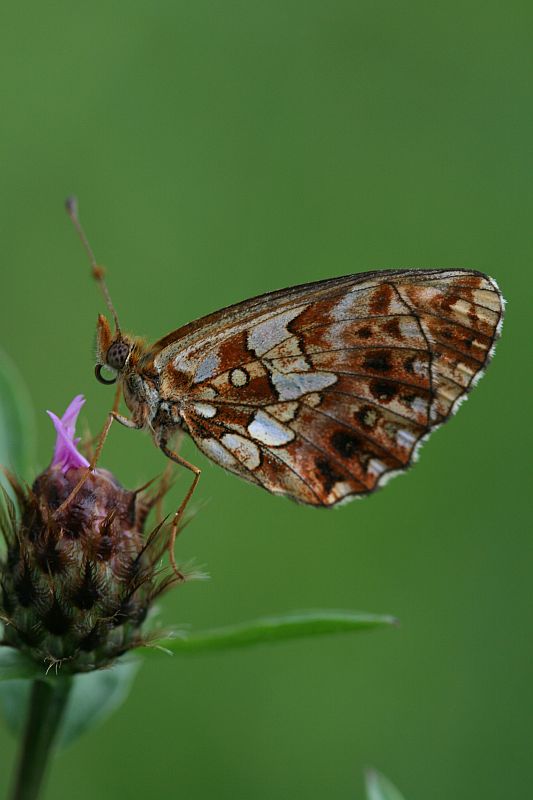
319	392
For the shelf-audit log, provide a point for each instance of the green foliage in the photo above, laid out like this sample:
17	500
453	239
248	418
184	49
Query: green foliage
93	697
17	423
293	625
15	665
380	788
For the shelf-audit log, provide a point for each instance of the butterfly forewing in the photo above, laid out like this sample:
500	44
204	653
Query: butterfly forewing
321	391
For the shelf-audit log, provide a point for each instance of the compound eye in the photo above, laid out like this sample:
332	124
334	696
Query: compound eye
100	377
117	355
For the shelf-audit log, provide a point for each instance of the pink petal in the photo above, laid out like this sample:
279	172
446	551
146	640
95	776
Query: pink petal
65	454
70	416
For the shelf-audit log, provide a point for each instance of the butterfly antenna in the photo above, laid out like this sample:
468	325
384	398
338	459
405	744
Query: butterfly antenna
71	204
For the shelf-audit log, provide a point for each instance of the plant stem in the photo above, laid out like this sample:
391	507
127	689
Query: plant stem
47	704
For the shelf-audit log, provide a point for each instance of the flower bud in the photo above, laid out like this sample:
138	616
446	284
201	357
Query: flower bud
76	582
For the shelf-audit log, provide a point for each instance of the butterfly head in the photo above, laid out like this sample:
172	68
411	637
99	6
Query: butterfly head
113	351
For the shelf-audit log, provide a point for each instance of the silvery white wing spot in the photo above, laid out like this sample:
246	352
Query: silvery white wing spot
317	392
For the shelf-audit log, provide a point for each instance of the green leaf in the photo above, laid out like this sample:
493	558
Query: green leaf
15	665
269	629
17	423
14	699
93	697
380	788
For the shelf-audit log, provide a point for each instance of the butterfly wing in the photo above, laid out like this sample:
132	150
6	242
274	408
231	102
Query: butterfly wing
322	391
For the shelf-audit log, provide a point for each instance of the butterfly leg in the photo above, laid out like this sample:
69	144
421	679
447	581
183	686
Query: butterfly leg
164	486
126	421
185	502
88	442
90	468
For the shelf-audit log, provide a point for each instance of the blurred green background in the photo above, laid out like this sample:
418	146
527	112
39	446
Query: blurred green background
220	150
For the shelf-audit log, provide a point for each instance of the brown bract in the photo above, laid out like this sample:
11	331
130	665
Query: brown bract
75	588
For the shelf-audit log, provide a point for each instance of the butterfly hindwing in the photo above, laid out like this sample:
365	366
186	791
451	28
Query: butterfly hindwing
319	392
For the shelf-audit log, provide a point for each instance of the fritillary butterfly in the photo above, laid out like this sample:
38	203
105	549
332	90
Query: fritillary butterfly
318	392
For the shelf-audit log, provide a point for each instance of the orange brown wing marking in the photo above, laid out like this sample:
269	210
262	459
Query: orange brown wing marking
408	367
400	330
281	471
380	431
404	401
345	448
241	315
362	296
322	391
320	293
301	469
340	449
256	388
460	321
208	363
327	478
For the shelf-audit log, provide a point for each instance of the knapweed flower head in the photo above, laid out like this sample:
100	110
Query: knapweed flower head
77	580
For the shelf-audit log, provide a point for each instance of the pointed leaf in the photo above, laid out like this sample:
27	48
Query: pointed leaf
14	699
15	665
380	788
17	424
94	696
269	629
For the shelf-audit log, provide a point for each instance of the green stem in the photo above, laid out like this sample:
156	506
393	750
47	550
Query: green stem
47	704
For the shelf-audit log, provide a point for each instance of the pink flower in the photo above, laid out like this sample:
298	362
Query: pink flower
65	454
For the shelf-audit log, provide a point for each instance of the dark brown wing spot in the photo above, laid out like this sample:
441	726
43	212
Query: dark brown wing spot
461	337
392	327
328	475
380	362
409	364
345	444
364	333
367	416
381	299
383	390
